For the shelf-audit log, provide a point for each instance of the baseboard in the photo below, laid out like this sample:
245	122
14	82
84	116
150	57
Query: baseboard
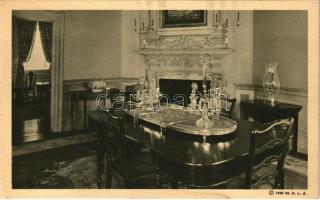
299	155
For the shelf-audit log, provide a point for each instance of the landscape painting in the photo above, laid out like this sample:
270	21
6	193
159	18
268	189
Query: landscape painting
184	18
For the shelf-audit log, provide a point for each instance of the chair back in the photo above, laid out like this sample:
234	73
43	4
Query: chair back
114	143
227	105
113	92
30	80
275	149
132	89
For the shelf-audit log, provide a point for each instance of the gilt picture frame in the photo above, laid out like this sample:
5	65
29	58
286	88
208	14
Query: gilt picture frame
183	18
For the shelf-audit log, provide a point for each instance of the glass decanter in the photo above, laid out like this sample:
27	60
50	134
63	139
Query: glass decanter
271	82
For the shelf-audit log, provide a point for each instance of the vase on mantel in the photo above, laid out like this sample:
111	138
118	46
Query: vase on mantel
271	82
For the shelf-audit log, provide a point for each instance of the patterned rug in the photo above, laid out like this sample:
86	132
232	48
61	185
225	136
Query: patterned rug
44	145
74	166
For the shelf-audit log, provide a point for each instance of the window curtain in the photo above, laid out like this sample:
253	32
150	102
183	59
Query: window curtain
26	34
46	39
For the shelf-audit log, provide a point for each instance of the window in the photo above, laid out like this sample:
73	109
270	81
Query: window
37	59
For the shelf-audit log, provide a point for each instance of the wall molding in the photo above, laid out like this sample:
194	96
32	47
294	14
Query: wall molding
75	81
283	90
118	82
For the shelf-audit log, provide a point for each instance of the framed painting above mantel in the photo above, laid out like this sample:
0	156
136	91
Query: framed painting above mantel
184	22
183	18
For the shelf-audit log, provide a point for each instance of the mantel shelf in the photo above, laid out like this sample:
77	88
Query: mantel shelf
216	51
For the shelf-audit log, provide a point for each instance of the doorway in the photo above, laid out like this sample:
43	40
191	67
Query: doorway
49	88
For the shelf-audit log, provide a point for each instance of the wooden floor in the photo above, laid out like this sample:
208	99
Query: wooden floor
30	120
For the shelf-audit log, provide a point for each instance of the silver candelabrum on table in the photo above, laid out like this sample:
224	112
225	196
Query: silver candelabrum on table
208	102
146	97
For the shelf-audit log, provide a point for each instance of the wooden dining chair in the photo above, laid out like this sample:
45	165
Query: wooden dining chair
30	85
132	90
118	156
227	106
261	157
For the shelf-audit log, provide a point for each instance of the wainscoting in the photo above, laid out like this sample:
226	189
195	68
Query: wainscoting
286	95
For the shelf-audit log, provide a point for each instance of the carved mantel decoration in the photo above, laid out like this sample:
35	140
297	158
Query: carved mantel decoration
187	60
151	40
183	55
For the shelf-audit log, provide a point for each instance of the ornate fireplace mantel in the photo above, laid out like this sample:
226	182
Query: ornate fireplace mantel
181	64
214	52
183	56
183	50
182	59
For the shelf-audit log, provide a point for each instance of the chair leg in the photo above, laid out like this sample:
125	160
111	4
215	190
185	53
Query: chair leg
34	94
279	180
281	184
107	162
175	184
155	162
99	174
108	173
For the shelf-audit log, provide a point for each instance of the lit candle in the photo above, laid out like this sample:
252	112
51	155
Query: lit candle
204	70
157	82
108	92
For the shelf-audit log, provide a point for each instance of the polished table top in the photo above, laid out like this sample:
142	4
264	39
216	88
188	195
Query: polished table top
188	149
186	121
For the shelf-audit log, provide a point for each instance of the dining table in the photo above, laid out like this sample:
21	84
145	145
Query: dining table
195	155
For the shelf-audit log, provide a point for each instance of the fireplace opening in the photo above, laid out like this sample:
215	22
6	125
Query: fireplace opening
173	88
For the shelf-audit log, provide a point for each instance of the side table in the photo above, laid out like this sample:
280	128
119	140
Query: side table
263	112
